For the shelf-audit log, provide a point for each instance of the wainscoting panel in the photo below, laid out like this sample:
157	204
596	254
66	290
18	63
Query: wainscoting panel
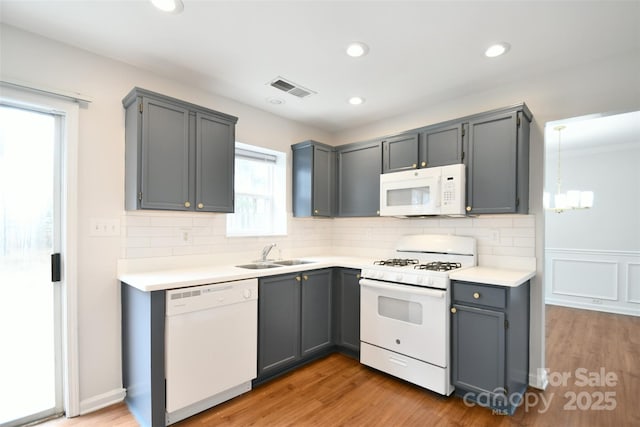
593	279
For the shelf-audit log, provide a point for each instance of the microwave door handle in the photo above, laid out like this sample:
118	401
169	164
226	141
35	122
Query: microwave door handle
413	290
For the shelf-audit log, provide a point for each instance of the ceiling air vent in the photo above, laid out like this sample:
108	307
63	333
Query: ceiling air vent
291	88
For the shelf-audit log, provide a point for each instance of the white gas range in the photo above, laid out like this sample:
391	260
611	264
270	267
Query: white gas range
404	309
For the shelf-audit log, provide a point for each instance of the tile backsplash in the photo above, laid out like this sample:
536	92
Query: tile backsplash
148	234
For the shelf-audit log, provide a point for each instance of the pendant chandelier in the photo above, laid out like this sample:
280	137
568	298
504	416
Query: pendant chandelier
570	200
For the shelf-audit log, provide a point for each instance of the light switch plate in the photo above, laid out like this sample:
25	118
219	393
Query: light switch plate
104	227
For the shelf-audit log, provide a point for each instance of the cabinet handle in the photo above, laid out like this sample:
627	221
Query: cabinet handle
468	208
476	295
414	165
423	164
298	278
187	204
200	205
305	277
453	310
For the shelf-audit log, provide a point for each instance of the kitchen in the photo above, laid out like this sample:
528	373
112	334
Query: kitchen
574	89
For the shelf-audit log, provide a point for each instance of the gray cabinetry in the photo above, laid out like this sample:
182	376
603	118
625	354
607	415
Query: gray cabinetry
347	310
498	162
490	344
294	320
178	156
313	181
359	168
441	145
400	152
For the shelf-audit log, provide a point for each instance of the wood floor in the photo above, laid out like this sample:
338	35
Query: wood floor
339	391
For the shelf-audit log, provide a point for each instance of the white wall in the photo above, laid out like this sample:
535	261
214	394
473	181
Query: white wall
30	58
609	85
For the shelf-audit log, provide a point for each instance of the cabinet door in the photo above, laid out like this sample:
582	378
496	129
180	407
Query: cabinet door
492	168
478	349
165	156
316	311
278	322
348	310
400	152
359	169
215	158
323	181
441	145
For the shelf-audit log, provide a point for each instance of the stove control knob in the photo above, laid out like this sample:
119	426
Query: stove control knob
399	278
380	275
419	280
246	293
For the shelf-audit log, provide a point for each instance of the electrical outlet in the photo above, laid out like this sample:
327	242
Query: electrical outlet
185	235
104	227
495	235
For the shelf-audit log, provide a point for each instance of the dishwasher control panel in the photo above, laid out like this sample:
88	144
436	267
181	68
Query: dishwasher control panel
184	300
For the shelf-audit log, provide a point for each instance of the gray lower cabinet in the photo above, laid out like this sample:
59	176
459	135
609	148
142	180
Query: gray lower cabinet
143	371
346	310
178	156
313	180
490	344
359	168
294	320
498	162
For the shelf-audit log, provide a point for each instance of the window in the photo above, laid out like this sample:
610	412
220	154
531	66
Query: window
260	189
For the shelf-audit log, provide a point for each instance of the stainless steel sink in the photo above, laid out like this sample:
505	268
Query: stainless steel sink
292	262
258	266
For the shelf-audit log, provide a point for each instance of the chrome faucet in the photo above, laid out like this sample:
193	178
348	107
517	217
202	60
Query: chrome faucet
266	250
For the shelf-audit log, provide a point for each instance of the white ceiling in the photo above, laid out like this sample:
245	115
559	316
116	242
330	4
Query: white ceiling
421	52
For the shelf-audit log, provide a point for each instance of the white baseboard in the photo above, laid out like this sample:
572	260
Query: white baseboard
538	379
101	401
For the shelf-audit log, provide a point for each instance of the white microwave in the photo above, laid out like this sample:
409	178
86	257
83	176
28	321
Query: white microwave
431	191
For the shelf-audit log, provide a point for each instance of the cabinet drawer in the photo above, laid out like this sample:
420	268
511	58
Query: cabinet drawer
473	293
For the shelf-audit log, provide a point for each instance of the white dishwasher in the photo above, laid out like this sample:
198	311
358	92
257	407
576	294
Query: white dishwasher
210	345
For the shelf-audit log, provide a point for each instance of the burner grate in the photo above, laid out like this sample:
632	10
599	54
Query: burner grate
397	262
438	266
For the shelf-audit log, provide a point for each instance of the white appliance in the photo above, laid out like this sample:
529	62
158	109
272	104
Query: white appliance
210	345
431	191
404	309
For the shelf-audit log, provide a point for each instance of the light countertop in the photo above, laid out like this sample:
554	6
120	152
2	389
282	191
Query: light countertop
163	279
493	276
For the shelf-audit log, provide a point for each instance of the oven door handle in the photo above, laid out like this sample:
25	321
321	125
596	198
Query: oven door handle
407	289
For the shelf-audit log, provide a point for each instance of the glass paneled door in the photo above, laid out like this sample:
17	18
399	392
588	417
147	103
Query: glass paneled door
30	365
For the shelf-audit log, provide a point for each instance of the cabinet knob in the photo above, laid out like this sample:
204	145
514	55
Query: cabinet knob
298	278
377	212
200	205
453	310
357	276
468	208
315	211
187	204
476	295
305	277
423	164
414	165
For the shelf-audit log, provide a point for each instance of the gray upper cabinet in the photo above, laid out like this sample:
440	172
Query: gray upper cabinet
359	168
441	145
313	183
400	152
178	156
498	162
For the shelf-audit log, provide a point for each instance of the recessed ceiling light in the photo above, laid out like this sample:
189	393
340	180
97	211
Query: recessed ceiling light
356	100
497	49
275	101
170	6
357	49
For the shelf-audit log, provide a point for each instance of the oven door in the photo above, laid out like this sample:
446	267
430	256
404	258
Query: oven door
409	320
410	193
